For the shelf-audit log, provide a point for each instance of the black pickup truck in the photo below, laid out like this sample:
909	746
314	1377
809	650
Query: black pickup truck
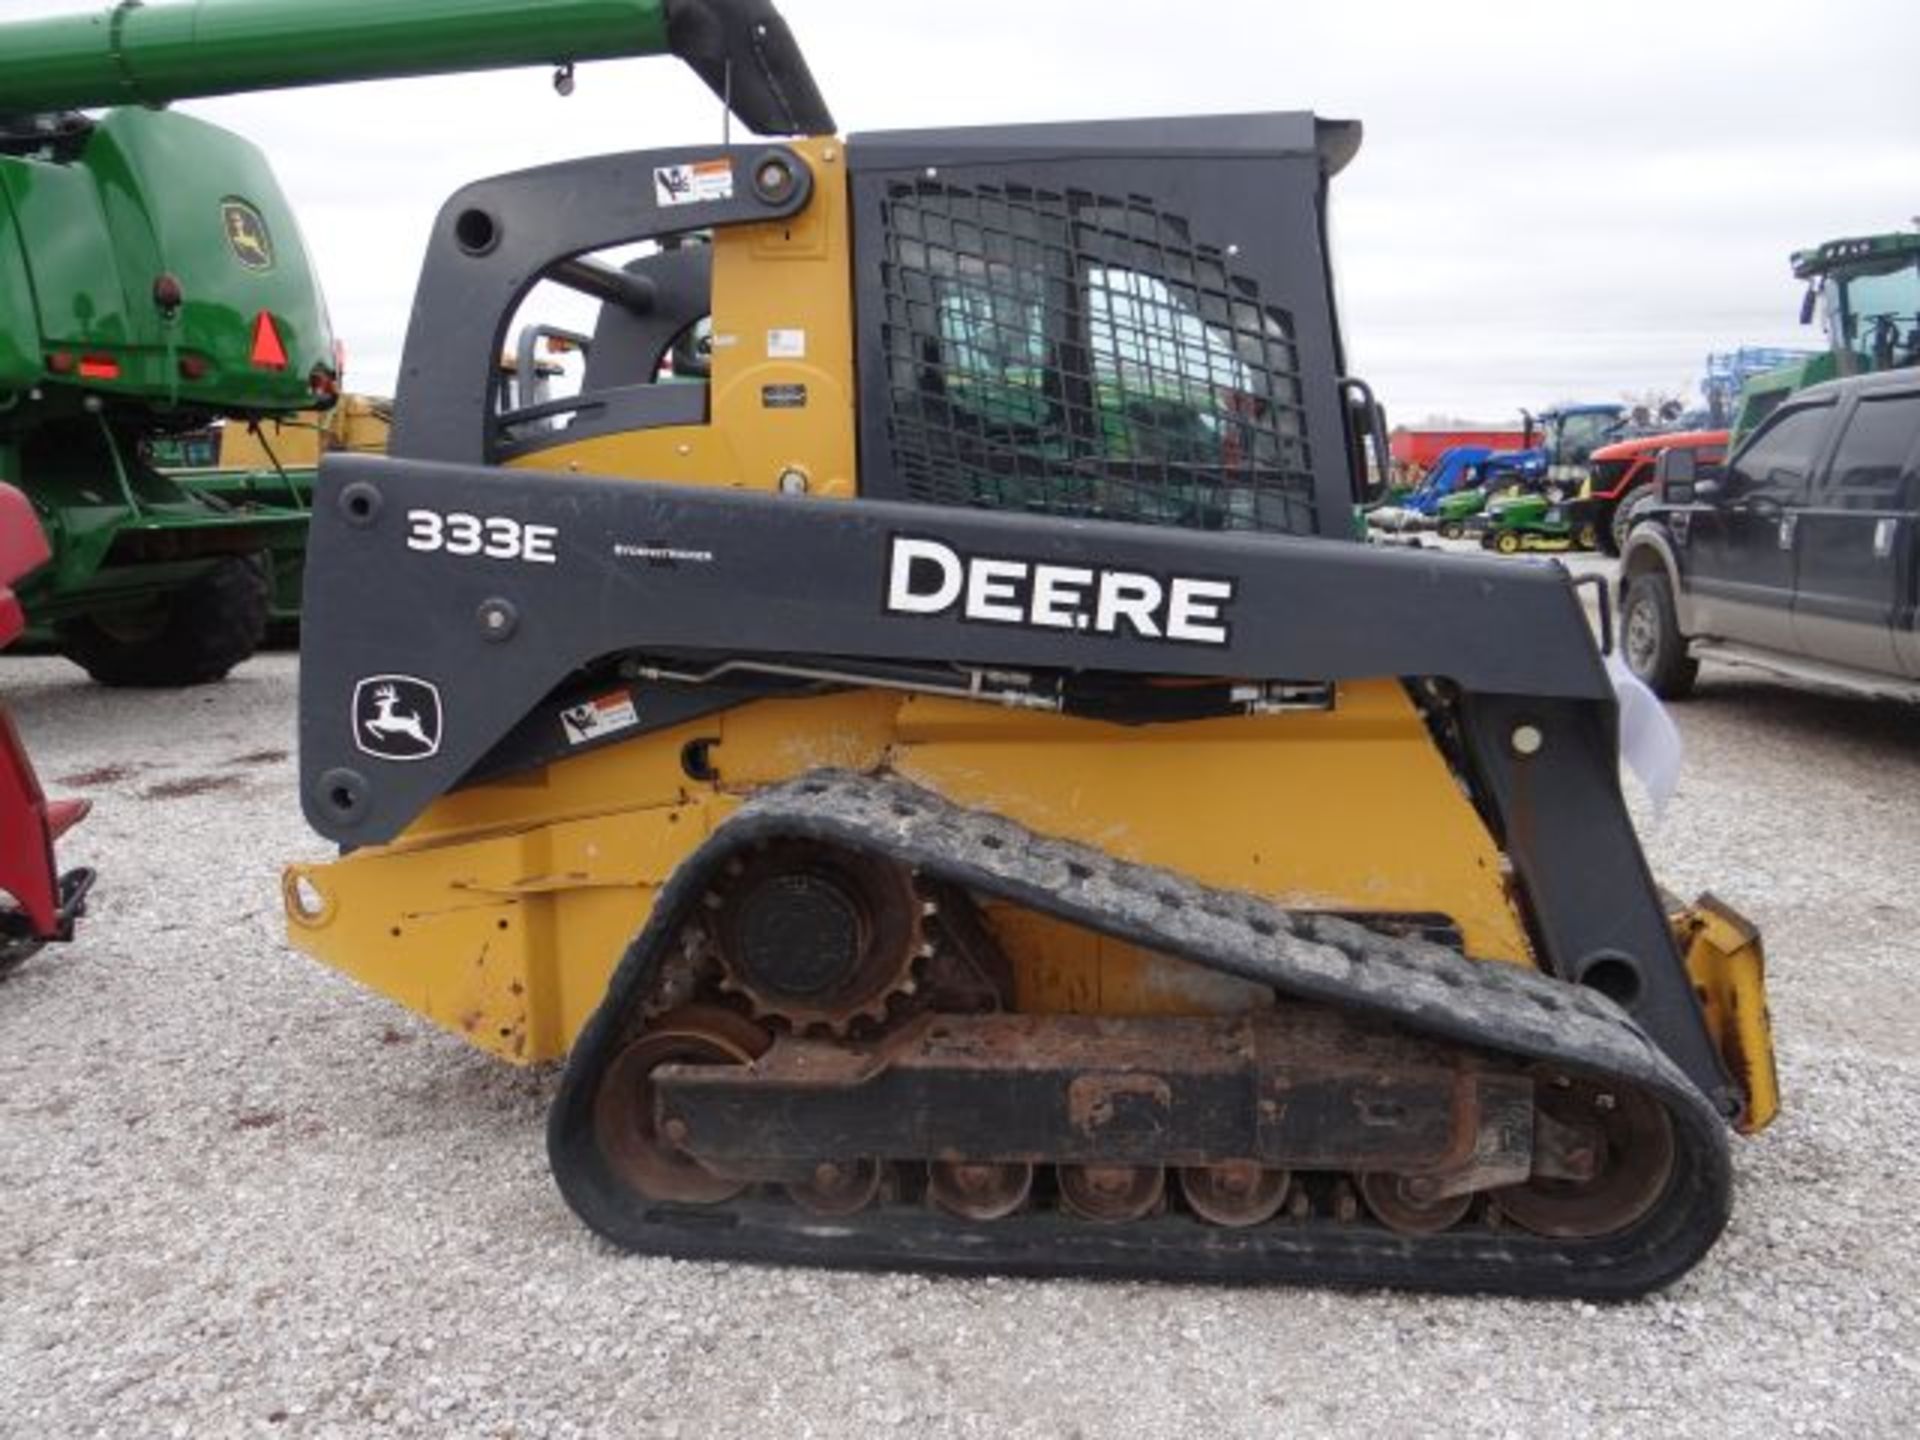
1800	555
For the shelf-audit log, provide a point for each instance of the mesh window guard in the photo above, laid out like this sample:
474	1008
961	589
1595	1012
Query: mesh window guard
1079	354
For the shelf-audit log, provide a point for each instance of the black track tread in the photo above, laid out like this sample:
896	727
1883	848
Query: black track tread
1421	986
212	624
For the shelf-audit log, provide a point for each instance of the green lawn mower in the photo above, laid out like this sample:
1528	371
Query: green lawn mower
1512	523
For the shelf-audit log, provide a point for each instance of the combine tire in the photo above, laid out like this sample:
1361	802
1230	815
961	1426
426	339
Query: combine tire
190	636
1655	649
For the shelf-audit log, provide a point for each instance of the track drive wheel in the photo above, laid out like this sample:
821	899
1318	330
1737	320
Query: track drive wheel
623	1117
1631	1170
815	938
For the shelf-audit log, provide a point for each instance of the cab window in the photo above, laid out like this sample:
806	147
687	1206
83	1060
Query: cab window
1777	463
1874	453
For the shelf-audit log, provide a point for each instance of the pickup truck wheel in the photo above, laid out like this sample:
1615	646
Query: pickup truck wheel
191	635
1651	641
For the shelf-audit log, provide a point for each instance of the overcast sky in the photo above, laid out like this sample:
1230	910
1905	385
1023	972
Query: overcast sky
1554	200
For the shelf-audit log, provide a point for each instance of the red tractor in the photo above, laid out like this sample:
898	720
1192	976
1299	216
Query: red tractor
44	903
1618	489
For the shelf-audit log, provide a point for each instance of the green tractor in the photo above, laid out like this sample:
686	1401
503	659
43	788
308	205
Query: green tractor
152	278
1867	292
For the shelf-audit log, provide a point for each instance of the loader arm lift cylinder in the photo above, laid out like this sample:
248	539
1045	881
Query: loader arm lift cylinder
155	54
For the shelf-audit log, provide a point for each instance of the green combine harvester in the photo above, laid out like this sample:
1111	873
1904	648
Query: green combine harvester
152	276
153	279
1866	292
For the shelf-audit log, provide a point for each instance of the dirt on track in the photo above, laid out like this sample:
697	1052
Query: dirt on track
244	1197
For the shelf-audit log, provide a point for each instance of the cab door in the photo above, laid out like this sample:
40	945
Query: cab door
1743	533
1855	538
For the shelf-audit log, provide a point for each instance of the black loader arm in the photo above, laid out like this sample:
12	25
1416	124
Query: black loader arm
459	600
493	587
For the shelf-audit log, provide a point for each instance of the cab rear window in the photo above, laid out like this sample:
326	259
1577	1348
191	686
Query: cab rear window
1876	452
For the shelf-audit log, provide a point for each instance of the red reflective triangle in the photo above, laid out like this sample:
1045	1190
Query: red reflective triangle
268	352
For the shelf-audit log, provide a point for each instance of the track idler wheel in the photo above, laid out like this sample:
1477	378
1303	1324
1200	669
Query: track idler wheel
623	1111
1402	1202
838	1188
1112	1192
976	1190
1633	1163
1235	1194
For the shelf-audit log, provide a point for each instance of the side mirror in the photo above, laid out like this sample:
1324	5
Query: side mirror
1808	302
1677	472
1372	445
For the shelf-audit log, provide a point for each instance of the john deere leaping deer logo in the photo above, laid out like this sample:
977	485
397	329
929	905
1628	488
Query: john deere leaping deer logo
396	717
247	234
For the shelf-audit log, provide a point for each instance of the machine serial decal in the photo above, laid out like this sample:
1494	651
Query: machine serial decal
605	716
930	577
660	554
397	717
493	536
694	184
247	234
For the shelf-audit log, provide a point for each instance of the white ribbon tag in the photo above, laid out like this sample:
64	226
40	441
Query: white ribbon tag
1650	744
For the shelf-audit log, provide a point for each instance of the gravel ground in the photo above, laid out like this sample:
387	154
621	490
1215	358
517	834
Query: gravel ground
244	1197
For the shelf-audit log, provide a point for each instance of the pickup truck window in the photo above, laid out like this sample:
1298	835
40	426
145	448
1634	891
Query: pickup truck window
1879	440
1776	465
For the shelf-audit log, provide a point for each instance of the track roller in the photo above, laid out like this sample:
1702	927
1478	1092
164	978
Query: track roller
1235	1194
1407	1204
979	1191
1112	1192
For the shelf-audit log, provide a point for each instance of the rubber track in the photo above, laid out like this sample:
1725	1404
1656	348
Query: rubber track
1422	987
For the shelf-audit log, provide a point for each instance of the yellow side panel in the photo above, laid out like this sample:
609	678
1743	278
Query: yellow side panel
1351	808
502	912
1061	969
782	317
507	941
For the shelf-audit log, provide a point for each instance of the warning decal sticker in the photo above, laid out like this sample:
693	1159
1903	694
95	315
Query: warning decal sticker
605	716
694	184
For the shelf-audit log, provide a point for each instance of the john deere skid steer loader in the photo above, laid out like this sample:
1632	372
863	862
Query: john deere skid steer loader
913	734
